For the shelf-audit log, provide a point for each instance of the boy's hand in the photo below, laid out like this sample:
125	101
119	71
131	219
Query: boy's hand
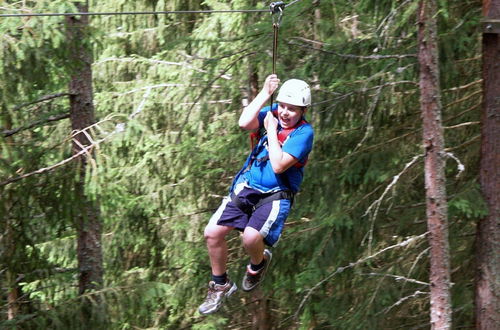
270	122
271	84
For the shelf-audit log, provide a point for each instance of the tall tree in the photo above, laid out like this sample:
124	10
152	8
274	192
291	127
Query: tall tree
87	216
433	141
487	295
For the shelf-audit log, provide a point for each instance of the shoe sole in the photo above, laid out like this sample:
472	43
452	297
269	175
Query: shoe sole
219	305
264	271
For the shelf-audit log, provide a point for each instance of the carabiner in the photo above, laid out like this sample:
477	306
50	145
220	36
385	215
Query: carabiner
276	8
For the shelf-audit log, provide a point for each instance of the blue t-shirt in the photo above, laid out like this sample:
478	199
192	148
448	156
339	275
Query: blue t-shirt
261	175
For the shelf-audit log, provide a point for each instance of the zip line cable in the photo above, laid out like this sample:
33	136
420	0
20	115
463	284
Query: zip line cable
171	12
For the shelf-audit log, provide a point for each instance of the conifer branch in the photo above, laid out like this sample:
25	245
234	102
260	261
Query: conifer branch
365	90
465	98
352	265
188	214
7	133
375	206
208	86
42	99
474	139
352	56
387	21
137	59
368	118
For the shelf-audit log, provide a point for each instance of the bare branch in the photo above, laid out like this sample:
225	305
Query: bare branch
376	204
460	166
415	262
351	265
463	86
463	124
397	278
400	301
84	150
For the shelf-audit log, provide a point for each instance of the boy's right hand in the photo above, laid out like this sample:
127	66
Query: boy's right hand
271	84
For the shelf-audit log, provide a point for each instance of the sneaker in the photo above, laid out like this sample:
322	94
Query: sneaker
253	278
216	295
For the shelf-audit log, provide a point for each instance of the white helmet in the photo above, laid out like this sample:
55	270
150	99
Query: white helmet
295	92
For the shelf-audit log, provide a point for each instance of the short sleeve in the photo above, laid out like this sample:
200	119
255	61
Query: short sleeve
299	143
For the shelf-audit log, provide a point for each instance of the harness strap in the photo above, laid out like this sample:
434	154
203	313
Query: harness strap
282	194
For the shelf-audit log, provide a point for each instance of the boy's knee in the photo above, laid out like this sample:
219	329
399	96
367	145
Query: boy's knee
214	232
251	237
209	232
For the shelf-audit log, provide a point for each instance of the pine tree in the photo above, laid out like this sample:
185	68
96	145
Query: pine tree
435	181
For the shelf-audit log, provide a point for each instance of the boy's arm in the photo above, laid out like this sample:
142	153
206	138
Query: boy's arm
280	160
249	117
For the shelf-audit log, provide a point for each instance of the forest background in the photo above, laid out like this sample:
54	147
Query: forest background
167	92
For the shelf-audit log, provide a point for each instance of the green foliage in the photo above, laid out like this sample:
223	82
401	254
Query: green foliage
167	93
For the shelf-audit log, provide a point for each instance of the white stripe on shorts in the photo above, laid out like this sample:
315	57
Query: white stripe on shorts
216	216
273	215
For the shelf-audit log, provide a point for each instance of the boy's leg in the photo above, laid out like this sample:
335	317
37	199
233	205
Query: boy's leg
217	251
217	247
220	287
254	245
264	228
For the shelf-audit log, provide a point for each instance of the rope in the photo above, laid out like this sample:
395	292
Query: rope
275	53
276	9
172	12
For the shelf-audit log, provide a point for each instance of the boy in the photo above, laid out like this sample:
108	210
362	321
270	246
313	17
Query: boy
262	192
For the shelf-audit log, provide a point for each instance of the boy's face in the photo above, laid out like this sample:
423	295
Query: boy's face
289	115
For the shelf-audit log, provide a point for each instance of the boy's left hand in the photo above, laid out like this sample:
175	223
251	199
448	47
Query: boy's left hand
270	122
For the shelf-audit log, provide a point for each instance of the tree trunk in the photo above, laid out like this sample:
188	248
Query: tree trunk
433	140
487	291
82	115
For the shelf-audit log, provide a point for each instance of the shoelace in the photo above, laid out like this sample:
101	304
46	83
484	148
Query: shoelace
212	293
